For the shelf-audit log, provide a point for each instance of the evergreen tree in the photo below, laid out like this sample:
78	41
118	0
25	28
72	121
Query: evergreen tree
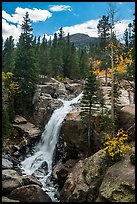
104	36
25	68
67	54
126	37
8	55
89	104
56	57
103	31
44	59
74	70
84	63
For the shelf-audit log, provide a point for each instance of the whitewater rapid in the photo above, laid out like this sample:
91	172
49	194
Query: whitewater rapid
43	154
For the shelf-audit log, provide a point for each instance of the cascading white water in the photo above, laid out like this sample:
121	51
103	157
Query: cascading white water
45	149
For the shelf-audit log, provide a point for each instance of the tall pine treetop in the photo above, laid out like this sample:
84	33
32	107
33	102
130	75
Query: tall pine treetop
27	29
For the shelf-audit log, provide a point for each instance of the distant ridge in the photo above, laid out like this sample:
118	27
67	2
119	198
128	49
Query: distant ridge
81	39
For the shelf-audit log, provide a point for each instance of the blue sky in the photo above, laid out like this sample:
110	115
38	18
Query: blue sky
74	17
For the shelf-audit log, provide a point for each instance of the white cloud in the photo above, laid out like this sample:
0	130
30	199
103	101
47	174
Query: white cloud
9	29
121	26
90	28
58	8
34	14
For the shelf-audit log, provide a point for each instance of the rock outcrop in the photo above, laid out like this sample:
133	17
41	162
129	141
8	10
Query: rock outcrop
119	183
84	180
26	128
7	164
29	193
94	180
46	97
10	180
126	120
71	131
22	188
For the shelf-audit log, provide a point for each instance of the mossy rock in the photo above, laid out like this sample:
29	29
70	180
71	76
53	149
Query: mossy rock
95	166
118	184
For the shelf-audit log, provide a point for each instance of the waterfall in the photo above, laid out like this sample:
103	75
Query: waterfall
40	163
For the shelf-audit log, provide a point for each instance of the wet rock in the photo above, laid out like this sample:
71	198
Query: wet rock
10	180
6	199
29	193
42	170
26	180
15	148
61	171
62	175
6	164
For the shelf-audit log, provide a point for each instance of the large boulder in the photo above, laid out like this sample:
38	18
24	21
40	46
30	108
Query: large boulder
126	120
11	180
61	170
26	127
83	181
118	184
74	88
44	106
29	193
71	134
94	180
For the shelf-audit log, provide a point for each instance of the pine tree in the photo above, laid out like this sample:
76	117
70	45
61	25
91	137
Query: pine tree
8	55
84	63
103	31
89	104
104	36
74	69
25	68
67	54
56	57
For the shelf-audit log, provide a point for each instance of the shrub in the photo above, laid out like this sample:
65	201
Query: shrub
115	146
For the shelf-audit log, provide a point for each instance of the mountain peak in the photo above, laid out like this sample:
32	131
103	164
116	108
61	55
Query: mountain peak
81	39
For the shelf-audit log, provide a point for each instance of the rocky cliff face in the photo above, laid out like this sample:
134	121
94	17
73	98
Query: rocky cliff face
46	97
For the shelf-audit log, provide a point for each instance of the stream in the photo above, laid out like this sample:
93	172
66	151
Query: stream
40	162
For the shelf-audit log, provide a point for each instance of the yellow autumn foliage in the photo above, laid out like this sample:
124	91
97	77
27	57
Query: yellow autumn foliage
12	87
6	75
115	146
